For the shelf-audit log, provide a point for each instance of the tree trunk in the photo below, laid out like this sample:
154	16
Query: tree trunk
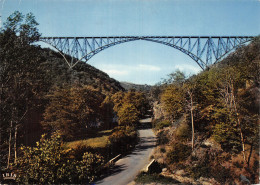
192	121
250	154
192	124
9	144
15	143
242	139
240	129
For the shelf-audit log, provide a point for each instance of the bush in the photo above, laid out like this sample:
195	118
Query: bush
123	139
183	132
162	138
179	153
222	174
90	167
227	135
50	163
144	178
200	169
161	124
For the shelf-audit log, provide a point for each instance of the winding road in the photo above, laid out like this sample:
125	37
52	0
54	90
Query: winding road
127	168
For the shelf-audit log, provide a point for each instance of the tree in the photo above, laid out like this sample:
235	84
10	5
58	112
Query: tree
117	100
128	115
138	99
73	110
173	98
177	77
108	114
230	79
173	101
21	79
132	101
189	88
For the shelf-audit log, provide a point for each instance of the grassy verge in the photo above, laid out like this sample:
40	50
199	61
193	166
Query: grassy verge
96	142
144	178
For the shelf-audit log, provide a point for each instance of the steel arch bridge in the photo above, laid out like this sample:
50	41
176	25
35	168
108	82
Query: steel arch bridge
204	50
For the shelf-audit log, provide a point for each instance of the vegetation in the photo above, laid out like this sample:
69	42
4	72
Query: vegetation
22	80
219	107
130	106
179	153
143	178
97	142
158	124
40	94
72	111
123	139
208	124
49	162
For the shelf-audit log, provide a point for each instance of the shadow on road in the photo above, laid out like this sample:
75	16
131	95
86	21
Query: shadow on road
111	171
150	142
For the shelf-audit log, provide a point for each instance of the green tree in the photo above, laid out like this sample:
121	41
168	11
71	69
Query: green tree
21	79
177	77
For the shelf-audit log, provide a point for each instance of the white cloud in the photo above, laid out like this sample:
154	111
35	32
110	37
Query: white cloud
188	68
146	67
121	69
113	72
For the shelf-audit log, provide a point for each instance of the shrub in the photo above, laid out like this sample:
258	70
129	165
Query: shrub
122	139
183	132
228	136
162	124
162	150
179	153
50	163
144	178
162	138
221	174
202	168
90	167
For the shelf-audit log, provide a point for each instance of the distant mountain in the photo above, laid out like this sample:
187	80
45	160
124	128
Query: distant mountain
139	87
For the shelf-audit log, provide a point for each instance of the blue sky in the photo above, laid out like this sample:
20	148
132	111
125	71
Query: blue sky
140	62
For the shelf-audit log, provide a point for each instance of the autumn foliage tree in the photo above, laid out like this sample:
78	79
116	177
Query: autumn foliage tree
173	101
73	110
129	106
128	115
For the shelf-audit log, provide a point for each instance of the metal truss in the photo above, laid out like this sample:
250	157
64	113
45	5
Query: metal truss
204	50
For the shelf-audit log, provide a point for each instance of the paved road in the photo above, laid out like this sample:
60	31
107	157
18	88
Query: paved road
127	168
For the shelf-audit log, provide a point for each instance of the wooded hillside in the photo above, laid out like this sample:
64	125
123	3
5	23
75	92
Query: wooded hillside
208	124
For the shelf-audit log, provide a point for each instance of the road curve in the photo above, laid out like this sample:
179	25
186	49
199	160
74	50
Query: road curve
127	168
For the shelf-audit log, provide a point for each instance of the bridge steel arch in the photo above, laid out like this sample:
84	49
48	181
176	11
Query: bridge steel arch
204	50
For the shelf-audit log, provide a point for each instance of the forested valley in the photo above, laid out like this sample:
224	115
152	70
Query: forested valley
63	125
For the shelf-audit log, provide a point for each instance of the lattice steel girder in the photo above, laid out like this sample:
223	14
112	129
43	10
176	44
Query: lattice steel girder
204	50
